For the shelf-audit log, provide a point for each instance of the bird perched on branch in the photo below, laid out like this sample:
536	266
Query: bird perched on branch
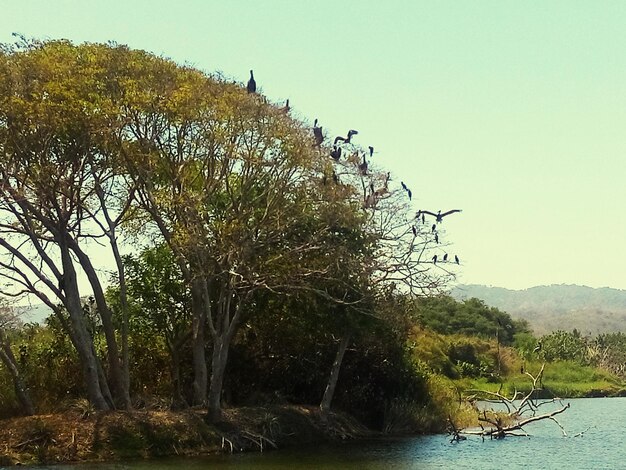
371	150
251	87
336	152
406	188
439	216
445	257
456	259
435	259
363	167
285	109
317	133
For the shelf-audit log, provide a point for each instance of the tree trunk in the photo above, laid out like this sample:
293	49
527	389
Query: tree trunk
334	374
84	342
119	383
218	367
200	379
21	392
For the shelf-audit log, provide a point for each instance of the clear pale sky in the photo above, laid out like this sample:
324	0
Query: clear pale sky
513	111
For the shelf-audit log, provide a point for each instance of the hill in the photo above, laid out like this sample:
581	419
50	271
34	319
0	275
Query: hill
556	307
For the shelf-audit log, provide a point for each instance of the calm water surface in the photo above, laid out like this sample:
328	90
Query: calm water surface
601	446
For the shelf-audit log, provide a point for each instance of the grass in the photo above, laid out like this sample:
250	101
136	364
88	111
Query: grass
564	379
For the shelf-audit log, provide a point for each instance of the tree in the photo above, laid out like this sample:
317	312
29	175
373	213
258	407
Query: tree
60	189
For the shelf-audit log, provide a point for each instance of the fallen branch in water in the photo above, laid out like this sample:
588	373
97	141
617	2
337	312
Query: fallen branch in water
521	410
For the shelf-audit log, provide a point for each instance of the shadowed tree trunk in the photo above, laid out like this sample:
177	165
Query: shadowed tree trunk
334	374
198	307
21	392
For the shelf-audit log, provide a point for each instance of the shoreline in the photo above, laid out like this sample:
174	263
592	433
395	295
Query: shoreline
72	437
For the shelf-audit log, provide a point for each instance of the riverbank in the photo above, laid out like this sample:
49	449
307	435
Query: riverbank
109	436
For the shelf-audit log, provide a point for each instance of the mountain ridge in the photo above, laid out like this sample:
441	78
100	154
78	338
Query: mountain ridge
556	307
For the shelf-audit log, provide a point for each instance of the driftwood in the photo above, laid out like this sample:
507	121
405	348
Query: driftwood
520	410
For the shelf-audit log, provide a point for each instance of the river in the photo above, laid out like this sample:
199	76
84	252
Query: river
601	446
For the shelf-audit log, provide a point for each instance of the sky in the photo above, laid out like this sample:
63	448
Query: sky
514	112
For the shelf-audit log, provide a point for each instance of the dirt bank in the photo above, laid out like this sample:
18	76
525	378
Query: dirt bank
76	437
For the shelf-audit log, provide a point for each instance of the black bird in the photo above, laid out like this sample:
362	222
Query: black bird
404	186
251	83
414	231
435	259
445	257
408	191
456	259
351	132
437	238
336	152
434	227
317	133
439	216
423	219
285	109
371	151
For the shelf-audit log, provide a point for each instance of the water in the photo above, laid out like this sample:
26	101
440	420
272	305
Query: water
600	447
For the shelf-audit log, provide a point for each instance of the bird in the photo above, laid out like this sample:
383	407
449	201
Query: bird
414	231
445	257
433	228
371	151
456	259
435	259
346	140
404	186
285	109
408	191
363	167
336	152
439	216
437	238
317	133
251	83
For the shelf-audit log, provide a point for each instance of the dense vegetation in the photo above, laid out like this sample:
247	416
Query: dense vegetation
263	263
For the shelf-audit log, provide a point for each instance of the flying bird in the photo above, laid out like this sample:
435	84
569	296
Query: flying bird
251	83
439	216
351	132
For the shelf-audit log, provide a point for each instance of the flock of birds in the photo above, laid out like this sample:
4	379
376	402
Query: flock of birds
338	148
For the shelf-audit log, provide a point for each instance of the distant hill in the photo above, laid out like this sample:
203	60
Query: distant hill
556	307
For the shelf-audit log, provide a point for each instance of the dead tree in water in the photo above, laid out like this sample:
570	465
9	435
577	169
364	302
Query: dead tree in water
521	410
